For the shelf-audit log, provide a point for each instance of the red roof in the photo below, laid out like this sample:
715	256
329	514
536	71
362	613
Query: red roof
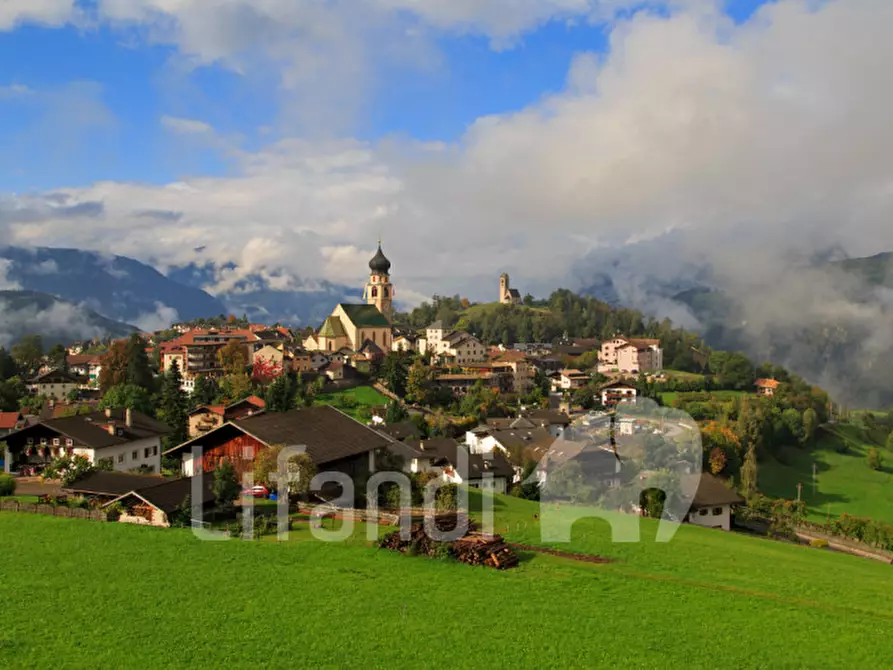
256	401
8	420
766	383
83	359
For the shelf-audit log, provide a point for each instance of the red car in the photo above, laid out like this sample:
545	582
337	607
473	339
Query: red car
256	492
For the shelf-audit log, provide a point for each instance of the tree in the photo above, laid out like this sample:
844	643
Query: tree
396	413
68	469
417	384
394	372
226	486
299	470
233	357
57	357
749	473
875	459
205	391
717	460
236	387
138	370
281	394
8	367
890	442
128	396
28	353
114	367
12	392
810	423
173	408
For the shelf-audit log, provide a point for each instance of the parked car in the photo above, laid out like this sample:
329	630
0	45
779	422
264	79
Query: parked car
256	492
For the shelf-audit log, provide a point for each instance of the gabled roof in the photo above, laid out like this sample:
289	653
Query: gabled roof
618	385
365	316
8	420
766	383
710	491
547	417
170	494
332	328
400	431
446	451
520	423
437	325
107	483
83	359
57	377
92	429
328	434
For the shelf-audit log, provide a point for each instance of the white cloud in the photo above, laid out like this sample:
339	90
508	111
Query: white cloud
689	123
161	318
185	126
7	284
44	12
14	91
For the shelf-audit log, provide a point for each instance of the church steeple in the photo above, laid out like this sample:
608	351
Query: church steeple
379	291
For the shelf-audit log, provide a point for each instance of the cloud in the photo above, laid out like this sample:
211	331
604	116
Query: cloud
161	318
7	284
185	126
14	91
47	267
14	13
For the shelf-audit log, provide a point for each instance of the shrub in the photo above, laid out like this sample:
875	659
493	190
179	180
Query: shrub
447	498
78	502
875	460
7	485
113	512
818	543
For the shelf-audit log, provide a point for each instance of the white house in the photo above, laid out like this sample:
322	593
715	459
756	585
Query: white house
618	392
55	384
713	501
125	439
570	379
488	472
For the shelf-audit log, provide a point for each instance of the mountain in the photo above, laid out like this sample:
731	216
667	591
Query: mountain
118	287
56	321
828	318
278	298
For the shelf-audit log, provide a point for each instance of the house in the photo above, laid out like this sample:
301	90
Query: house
155	505
196	352
571	379
713	501
460	384
86	366
631	355
125	439
102	486
9	421
507	294
552	420
273	359
617	392
405	342
456	465
456	346
766	387
208	417
523	374
520	442
333	440
55	384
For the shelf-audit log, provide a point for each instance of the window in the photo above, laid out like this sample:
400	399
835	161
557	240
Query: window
146	452
717	511
702	512
69	442
120	458
386	292
30	440
154	451
135	456
43	441
374	291
56	442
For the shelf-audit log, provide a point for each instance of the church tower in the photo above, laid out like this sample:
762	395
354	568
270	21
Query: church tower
504	296
379	291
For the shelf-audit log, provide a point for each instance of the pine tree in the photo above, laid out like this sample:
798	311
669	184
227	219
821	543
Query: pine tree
173	407
396	413
281	394
205	391
139	371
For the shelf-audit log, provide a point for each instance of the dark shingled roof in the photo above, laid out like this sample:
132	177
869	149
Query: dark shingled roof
379	263
446	451
92	431
328	434
112	483
711	491
170	494
548	417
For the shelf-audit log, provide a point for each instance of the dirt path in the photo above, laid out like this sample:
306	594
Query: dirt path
583	558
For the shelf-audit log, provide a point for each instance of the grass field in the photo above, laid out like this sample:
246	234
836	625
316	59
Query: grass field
356	397
844	482
86	594
667	397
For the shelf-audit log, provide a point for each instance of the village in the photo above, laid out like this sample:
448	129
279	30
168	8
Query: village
445	406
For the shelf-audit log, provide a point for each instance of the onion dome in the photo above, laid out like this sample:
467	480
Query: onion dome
379	263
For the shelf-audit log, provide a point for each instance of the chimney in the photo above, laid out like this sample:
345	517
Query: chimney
111	427
108	412
128	417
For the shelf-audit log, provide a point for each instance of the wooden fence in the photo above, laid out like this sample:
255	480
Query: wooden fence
53	510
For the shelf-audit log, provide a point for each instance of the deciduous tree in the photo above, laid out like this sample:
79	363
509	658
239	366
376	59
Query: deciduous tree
128	396
28	354
226	485
233	357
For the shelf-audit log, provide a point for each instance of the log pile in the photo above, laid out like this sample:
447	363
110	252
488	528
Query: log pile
473	549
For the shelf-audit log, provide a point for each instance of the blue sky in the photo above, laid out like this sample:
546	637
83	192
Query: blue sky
96	96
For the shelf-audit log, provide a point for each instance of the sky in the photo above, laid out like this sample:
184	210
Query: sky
473	136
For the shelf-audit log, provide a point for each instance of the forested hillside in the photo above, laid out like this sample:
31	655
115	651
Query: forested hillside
562	313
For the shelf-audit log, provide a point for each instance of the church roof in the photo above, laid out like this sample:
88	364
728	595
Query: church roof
379	263
365	316
332	328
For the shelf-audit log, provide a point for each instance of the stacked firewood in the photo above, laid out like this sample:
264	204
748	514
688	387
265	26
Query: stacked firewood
474	548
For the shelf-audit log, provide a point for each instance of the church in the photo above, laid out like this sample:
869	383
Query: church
364	326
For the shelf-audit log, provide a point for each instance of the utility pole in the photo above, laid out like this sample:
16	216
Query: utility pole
799	489
813	477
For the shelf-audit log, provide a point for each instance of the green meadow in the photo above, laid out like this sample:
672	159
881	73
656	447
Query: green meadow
87	594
